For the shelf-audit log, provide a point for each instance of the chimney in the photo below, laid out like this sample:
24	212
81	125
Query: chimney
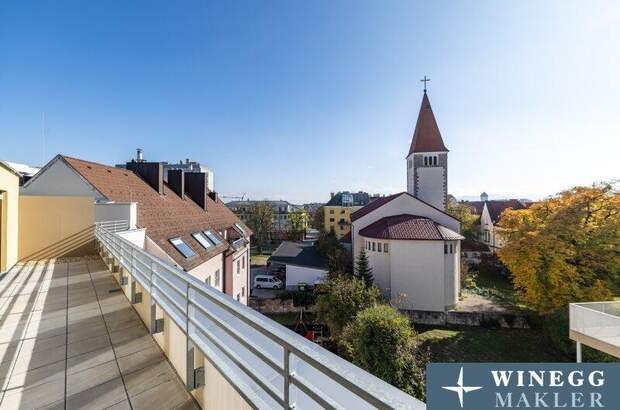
176	180
196	188
139	155
331	194
151	172
213	196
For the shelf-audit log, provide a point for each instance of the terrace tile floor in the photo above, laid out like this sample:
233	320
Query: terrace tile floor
69	339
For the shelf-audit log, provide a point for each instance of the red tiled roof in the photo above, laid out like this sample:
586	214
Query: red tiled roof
426	137
411	227
497	207
475	206
164	216
379	202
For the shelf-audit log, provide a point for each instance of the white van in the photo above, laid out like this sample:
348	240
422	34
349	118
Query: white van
267	282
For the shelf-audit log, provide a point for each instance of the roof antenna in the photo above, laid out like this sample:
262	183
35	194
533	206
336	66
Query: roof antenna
425	80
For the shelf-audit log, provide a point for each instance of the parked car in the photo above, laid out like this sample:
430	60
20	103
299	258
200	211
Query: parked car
267	282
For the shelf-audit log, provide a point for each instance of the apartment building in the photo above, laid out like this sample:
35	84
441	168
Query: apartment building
177	219
337	212
283	214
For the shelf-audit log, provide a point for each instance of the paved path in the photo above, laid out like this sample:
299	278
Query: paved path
68	340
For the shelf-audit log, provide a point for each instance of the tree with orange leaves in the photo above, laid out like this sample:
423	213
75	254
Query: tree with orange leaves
566	248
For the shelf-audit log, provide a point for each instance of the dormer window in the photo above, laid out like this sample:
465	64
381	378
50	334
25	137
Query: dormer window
212	237
182	247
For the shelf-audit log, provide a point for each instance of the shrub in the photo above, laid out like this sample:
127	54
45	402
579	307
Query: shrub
382	341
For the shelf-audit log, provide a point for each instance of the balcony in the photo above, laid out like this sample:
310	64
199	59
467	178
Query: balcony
596	324
123	328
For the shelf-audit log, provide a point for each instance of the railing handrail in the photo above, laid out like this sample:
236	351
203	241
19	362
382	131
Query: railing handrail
367	387
589	309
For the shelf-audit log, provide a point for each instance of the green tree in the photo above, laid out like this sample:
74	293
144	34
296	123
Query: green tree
382	341
564	249
298	221
318	219
261	222
462	212
338	258
363	269
340	299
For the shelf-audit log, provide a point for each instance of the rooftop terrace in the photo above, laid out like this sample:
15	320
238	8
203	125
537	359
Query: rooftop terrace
69	339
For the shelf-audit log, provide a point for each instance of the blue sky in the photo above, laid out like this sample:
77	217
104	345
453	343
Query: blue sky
292	100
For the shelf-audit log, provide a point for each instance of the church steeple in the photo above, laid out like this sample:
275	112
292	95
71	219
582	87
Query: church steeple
426	137
427	160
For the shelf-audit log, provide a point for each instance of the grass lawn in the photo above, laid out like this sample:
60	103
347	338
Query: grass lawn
475	344
259	259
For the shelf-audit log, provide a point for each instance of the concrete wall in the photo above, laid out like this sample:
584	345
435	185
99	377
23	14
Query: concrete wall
59	179
117	211
9	218
53	226
135	236
297	274
208	269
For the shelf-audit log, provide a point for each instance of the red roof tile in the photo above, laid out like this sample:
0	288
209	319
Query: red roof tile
497	207
164	216
409	227
379	202
426	137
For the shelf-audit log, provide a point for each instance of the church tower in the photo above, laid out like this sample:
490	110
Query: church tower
427	161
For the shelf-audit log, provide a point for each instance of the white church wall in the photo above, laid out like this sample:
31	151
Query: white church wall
430	188
452	268
380	262
417	274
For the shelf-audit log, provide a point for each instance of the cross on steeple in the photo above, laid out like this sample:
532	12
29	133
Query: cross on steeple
425	80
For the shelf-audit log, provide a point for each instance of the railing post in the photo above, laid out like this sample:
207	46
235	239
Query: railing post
157	325
287	377
578	352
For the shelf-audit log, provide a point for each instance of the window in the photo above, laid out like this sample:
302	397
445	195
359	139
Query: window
385	248
373	246
445	248
238	297
332	220
182	247
243	291
425	161
217	278
434	160
238	266
212	237
379	247
451	251
239	229
200	238
243	262
331	211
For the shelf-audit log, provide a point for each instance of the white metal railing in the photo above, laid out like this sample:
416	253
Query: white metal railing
114	226
597	320
269	365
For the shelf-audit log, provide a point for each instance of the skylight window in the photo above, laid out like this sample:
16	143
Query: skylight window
212	237
239	229
202	240
183	247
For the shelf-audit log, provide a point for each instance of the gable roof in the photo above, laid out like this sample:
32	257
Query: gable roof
5	165
164	216
475	206
408	227
426	137
298	253
379	202
498	206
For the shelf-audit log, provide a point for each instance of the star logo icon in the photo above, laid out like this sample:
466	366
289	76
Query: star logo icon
459	389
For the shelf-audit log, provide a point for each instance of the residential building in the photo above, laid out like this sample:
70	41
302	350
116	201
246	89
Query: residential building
179	220
490	232
337	211
302	263
413	245
25	171
9	215
283	215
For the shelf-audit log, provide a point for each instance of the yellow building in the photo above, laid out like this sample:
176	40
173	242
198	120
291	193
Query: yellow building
9	216
337	212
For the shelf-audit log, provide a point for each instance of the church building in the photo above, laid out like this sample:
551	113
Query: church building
412	243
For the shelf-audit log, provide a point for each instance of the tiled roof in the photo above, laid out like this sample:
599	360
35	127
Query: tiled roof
497	207
164	216
410	227
475	206
298	253
426	137
379	202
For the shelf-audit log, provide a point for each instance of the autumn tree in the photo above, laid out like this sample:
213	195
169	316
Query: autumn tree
468	219
298	221
318	219
338	258
260	219
565	249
